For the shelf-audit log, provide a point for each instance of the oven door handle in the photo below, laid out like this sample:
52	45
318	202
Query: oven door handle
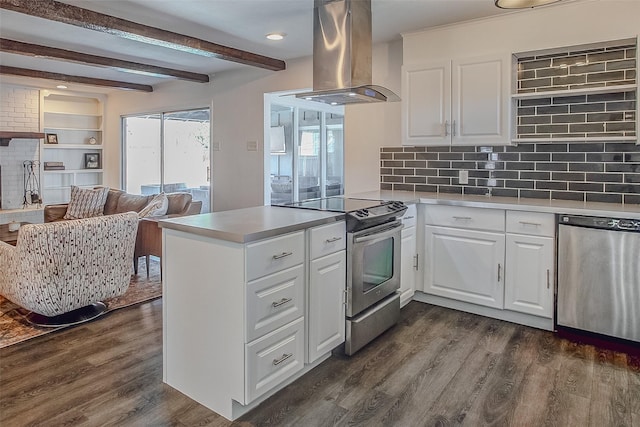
380	233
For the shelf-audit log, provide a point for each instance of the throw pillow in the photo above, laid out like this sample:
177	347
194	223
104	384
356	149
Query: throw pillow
156	207
86	202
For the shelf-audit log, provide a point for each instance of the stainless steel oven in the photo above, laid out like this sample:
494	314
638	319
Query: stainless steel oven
373	265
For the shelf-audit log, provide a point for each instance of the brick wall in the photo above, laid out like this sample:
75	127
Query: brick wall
19	111
599	172
611	114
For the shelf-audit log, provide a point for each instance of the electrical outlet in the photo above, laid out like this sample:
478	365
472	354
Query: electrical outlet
463	177
252	145
216	145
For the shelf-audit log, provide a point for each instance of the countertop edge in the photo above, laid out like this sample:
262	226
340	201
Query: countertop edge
248	237
508	203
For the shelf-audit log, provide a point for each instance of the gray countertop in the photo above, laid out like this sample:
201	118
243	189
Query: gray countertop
511	203
250	224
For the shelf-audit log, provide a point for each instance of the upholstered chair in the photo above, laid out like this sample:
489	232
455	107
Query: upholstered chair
68	267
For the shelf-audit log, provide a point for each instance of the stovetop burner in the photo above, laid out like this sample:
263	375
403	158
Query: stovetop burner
360	213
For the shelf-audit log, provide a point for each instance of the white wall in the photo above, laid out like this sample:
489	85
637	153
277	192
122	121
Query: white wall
236	98
573	23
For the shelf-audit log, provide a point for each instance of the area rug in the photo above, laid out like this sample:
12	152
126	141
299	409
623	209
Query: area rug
14	328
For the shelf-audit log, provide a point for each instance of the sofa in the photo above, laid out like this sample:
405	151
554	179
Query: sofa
61	271
149	235
119	201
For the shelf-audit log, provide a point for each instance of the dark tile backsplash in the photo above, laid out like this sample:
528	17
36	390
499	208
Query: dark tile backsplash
600	172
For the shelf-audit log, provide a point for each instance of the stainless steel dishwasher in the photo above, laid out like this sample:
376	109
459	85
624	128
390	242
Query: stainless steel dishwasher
599	275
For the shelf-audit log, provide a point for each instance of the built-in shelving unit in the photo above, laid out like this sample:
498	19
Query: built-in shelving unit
579	93
76	120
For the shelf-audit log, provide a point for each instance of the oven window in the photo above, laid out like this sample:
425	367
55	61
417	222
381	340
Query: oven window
377	263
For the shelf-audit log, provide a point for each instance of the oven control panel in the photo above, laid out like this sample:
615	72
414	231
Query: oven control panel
369	217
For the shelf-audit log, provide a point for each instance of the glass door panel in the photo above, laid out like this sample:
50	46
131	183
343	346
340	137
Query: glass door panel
281	156
335	155
186	154
143	153
309	162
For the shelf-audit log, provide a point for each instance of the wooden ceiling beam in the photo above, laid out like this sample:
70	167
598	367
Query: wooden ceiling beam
28	49
88	19
73	79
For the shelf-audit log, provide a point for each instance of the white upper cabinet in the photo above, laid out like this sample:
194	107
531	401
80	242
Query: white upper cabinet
459	102
426	103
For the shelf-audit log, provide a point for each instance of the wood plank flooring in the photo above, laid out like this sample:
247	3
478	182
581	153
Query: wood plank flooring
437	367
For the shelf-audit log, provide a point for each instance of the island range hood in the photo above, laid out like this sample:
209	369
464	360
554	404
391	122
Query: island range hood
342	54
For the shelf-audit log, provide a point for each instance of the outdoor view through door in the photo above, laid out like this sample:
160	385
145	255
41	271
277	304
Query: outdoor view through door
168	152
307	151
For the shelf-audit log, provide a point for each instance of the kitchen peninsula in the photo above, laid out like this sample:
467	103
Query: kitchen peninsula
239	319
239	322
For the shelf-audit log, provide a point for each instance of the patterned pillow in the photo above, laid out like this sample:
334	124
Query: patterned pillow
156	207
86	203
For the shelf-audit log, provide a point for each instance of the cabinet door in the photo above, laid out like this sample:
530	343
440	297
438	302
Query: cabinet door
465	265
529	279
480	100
326	315
426	103
408	265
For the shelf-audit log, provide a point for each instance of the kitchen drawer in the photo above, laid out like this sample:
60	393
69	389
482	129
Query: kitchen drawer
409	218
272	359
464	217
328	239
275	254
274	301
532	223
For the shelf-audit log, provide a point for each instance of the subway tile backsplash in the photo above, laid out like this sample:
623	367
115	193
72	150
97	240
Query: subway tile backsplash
599	172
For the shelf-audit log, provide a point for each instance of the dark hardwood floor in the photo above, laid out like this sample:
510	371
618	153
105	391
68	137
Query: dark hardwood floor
437	367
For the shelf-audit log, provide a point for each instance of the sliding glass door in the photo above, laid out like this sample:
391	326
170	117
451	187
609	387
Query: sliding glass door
168	152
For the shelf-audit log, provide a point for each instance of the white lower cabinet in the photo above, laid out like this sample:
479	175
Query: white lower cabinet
466	265
408	265
327	285
530	261
528	284
326	304
409	255
273	358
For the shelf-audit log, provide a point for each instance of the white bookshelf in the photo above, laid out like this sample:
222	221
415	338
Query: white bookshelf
75	119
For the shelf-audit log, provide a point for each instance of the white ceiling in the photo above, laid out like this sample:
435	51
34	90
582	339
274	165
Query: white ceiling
240	24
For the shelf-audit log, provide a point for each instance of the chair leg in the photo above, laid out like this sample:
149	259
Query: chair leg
147	259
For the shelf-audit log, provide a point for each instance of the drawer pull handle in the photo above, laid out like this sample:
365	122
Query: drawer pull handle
281	302
534	224
499	268
333	239
408	217
284	357
462	218
282	255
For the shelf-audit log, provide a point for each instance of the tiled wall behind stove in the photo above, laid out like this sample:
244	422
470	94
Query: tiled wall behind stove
594	171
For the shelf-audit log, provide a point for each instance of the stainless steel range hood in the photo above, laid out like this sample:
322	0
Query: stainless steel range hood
342	54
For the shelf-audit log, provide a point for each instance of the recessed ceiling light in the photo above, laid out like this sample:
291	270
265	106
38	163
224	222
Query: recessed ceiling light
276	36
522	4
334	103
308	98
61	87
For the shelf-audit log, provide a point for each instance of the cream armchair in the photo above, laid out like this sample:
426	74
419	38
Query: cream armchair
62	270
